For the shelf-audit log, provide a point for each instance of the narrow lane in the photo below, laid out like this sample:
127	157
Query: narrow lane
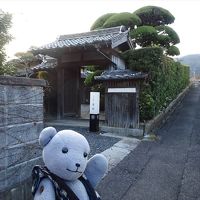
167	169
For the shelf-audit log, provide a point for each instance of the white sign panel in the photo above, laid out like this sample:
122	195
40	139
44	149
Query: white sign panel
94	102
121	90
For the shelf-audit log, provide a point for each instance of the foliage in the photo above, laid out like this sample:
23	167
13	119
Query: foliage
148	27
154	30
173	51
163	36
97	87
100	21
143	59
166	79
7	69
42	75
89	81
146	104
91	68
25	59
144	35
154	16
125	18
167	32
5	38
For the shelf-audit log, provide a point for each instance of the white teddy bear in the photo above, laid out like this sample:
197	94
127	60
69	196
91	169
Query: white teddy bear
68	174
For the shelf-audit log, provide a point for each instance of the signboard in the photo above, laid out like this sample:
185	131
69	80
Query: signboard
121	90
94	102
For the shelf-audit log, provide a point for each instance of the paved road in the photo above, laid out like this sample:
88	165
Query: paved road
166	169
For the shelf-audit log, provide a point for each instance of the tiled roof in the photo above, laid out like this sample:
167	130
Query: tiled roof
87	38
47	63
44	66
24	72
120	75
85	74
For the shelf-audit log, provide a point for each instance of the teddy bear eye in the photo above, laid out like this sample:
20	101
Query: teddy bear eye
85	154
64	149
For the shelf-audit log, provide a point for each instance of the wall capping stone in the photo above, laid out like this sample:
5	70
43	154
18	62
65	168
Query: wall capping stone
10	80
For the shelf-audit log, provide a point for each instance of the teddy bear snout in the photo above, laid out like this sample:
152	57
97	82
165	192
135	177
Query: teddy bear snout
78	165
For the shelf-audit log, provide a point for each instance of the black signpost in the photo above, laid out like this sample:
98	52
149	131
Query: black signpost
94	111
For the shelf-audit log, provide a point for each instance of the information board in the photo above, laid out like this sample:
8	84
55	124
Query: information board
94	102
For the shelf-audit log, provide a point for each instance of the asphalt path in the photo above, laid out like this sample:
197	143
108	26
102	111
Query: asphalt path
165	169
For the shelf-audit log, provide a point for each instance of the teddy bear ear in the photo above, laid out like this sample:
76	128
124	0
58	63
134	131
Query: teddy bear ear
46	135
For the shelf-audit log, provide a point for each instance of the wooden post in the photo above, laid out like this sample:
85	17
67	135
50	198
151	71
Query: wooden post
78	111
60	92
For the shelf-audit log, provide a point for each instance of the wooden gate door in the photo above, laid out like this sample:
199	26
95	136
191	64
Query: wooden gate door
121	110
71	92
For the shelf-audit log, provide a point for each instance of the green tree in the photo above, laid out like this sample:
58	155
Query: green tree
148	27
116	19
125	18
166	36
154	16
144	36
154	30
26	59
5	38
21	64
173	50
100	21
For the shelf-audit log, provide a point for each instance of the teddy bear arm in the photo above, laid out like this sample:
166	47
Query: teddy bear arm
97	167
45	191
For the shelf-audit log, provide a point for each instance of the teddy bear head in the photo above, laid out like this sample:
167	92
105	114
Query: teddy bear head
65	153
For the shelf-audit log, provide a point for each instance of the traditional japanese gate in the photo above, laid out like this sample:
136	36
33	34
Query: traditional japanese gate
99	47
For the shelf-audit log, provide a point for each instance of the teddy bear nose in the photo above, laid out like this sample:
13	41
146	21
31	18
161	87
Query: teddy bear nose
78	165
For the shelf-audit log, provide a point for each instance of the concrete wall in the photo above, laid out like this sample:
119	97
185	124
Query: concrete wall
21	120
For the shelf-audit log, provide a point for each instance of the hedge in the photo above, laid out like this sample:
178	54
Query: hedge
166	79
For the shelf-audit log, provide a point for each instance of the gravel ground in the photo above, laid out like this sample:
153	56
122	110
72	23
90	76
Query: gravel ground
97	142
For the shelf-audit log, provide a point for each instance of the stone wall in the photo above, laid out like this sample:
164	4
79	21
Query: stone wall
21	120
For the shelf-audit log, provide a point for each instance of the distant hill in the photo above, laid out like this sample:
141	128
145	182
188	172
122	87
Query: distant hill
193	61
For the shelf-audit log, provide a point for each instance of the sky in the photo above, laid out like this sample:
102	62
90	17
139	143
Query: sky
38	22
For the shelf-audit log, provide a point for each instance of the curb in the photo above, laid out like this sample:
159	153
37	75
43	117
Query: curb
119	151
125	132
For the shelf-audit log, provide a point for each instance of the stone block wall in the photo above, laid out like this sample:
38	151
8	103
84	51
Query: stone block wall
21	120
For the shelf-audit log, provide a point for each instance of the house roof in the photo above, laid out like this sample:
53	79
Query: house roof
48	62
110	36
120	75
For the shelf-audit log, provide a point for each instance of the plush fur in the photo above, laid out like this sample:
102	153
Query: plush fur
66	154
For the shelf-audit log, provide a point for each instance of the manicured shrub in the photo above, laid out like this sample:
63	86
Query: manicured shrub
173	51
144	35
100	21
168	32
127	19
154	16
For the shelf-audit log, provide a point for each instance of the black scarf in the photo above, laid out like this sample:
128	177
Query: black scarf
62	191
